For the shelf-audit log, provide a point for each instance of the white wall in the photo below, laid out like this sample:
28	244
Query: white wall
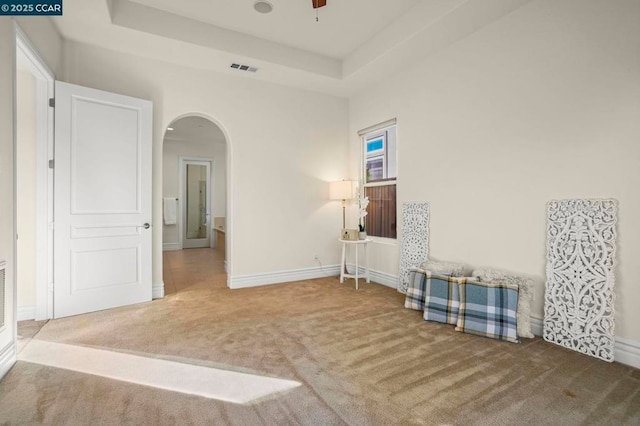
26	188
285	145
173	150
219	184
543	104
44	36
7	230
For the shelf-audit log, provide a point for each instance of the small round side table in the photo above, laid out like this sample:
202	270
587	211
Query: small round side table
355	244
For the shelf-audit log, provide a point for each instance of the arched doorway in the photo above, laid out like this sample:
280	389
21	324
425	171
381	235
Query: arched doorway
195	195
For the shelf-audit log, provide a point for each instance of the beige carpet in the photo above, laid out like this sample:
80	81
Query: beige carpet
361	358
213	383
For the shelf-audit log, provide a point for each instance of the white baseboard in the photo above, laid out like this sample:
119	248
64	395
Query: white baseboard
536	326
171	246
26	313
625	351
8	357
157	291
384	278
256	280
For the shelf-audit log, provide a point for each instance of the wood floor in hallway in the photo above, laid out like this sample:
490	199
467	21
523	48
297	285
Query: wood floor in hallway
184	269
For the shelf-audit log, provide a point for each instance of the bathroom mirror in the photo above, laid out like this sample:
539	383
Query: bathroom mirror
197	190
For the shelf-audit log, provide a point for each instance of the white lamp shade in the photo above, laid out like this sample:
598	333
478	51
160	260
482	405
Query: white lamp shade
341	190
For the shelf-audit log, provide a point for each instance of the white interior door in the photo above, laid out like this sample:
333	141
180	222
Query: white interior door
102	200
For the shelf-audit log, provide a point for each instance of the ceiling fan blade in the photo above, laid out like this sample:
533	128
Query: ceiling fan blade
318	3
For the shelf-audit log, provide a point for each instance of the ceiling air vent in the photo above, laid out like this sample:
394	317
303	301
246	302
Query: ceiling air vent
244	67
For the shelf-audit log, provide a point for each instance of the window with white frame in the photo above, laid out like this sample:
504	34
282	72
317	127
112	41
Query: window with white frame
379	172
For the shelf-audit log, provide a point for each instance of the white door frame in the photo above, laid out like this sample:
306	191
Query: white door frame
182	197
45	79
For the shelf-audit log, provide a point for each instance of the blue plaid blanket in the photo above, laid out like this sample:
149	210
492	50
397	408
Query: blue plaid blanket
488	310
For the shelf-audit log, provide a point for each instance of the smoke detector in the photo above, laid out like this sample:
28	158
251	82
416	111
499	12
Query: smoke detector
262	6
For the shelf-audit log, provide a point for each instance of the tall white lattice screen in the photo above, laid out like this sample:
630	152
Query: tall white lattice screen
414	246
579	298
2	293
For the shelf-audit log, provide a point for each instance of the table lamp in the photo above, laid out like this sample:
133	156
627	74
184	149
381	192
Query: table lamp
341	190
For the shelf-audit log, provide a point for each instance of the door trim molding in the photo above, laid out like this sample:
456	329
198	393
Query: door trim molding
8	357
45	80
26	313
157	290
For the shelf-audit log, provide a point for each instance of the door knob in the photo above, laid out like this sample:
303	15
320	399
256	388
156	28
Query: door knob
146	226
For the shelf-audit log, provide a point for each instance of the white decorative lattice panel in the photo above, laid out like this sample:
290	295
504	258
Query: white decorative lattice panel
581	246
414	246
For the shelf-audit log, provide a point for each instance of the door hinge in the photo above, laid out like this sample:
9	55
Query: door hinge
52	102
52	164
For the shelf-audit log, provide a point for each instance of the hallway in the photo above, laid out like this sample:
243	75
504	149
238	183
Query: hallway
191	269
183	270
